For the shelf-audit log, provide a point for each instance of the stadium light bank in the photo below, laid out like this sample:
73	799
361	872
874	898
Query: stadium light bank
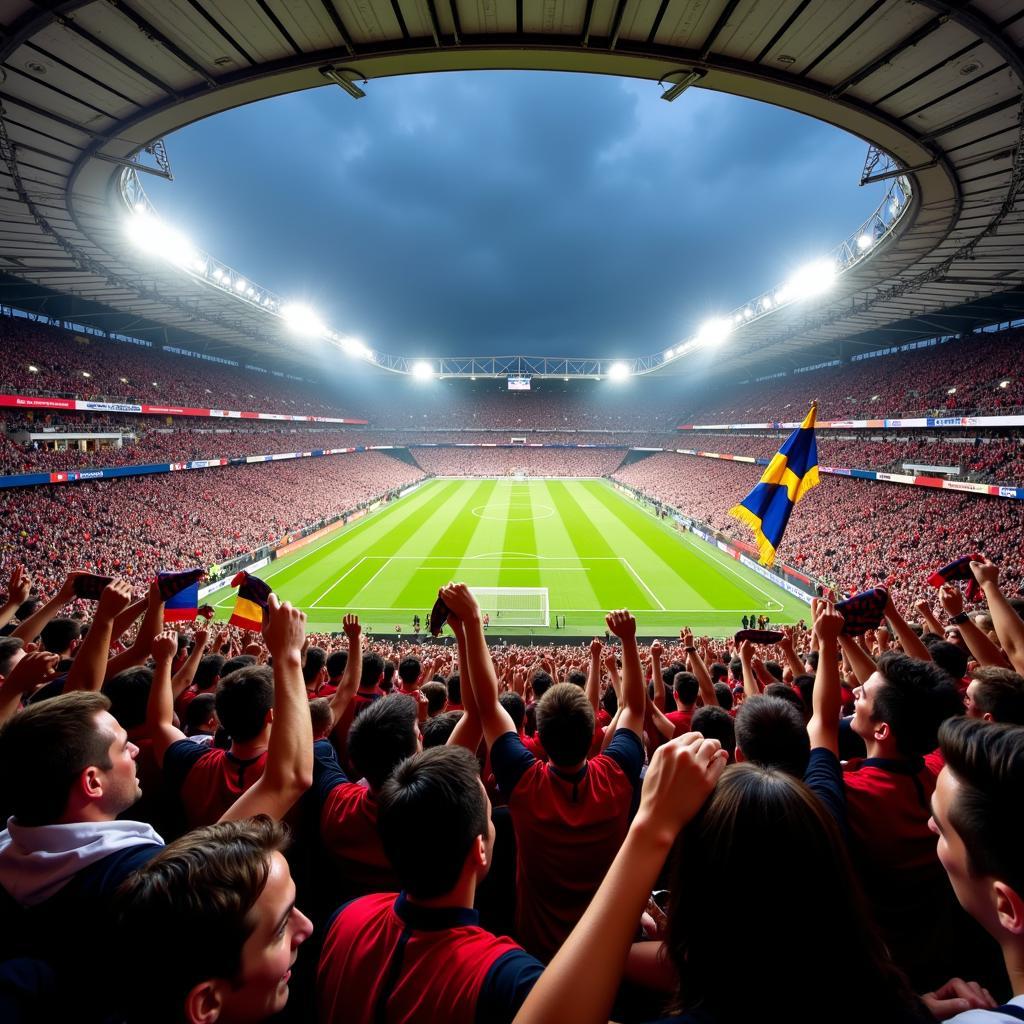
157	239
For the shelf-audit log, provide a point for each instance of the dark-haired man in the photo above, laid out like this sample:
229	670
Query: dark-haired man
898	711
420	954
221	929
571	814
995	694
976	816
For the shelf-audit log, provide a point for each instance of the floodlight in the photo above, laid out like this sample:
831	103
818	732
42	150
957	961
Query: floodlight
766	302
218	274
713	332
336	74
618	371
669	353
302	320
354	347
152	236
422	370
811	279
241	284
747	313
675	90
864	242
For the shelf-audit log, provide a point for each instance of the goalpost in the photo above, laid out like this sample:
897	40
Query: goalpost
514	606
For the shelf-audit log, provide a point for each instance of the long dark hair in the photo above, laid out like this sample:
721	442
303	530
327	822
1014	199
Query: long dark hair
767	916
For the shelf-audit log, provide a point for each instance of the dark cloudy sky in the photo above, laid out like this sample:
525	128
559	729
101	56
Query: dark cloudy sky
499	212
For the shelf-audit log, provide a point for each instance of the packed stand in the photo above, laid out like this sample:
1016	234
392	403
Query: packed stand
956	378
505	461
133	527
88	367
996	459
851	534
269	825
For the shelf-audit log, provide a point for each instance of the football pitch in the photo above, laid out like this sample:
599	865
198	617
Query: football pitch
593	548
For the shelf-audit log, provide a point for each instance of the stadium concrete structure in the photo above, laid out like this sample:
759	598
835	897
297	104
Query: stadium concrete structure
90	88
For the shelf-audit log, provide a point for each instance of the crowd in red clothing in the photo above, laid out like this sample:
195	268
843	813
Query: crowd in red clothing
852	534
175	520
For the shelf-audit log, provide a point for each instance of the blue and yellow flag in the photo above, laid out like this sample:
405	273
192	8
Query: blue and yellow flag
789	476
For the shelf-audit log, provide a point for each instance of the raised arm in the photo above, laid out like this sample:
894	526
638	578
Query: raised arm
152	623
985	652
30	629
793	663
634	697
18	590
594	675
1008	624
341	701
182	679
477	666
861	663
127	617
160	706
656	677
288	772
89	668
695	663
750	687
909	640
681	775
468	731
35	669
827	698
931	623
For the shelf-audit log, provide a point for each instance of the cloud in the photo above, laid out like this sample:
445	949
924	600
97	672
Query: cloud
498	212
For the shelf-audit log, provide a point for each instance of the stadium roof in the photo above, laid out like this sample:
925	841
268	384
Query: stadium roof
87	86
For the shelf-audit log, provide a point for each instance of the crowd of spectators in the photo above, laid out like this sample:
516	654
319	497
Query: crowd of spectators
48	361
507	461
852	534
133	527
961	377
272	825
996	459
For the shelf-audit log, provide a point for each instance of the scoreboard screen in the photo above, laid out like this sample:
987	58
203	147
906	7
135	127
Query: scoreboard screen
519	383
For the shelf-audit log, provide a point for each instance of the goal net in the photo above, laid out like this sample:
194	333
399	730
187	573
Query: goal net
514	606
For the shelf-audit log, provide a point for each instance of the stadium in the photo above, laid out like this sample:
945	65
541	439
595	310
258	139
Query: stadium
333	651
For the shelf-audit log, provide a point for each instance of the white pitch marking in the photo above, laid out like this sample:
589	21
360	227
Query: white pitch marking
371	579
639	579
339	579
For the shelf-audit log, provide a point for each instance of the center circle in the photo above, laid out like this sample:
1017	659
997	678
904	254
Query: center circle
507	513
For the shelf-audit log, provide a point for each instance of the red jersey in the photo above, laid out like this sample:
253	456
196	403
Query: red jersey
387	960
682	722
209	780
348	826
568	830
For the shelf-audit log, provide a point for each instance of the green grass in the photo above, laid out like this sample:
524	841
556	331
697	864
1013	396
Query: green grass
592	548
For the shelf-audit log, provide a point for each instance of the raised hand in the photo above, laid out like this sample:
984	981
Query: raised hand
350	624
284	629
33	670
622	624
165	645
951	599
596	647
657	650
460	601
681	776
20	586
985	572
827	622
116	596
